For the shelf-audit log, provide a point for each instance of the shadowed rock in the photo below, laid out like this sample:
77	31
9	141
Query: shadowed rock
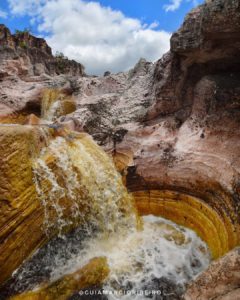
90	275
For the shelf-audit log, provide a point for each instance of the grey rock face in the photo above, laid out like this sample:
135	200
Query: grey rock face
36	54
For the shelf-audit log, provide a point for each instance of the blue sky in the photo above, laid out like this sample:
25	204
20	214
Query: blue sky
106	34
153	10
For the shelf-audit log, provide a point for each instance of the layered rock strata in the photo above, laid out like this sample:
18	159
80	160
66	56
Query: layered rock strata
49	185
172	127
35	54
27	67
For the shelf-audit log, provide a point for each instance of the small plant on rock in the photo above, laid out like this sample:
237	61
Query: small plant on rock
61	61
24	31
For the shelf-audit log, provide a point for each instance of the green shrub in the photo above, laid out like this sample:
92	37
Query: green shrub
23	44
21	32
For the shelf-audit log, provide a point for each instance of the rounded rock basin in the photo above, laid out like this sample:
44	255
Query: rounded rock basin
158	259
214	225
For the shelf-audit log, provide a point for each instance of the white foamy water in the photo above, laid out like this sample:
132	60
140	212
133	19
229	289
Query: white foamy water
161	250
82	173
138	260
162	255
53	110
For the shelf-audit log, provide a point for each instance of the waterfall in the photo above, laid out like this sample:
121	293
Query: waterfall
79	188
56	103
76	170
162	256
51	105
141	261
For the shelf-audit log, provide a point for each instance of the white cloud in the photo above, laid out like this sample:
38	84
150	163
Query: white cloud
99	37
175	4
24	7
154	25
3	14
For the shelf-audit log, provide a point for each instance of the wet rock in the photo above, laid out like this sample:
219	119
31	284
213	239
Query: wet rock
165	108
33	120
93	293
90	275
167	290
20	208
37	269
56	103
188	140
27	68
220	281
36	203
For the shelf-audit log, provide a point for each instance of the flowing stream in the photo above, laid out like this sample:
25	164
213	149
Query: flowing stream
142	261
145	255
154	255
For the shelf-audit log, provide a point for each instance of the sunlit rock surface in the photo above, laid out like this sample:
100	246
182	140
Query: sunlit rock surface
29	55
21	214
172	127
27	67
50	184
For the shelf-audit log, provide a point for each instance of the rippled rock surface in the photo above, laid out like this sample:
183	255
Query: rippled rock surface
172	128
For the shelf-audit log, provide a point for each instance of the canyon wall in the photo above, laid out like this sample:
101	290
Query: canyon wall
27	66
172	127
35	54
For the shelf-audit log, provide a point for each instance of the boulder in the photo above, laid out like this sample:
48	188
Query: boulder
21	214
220	281
92	274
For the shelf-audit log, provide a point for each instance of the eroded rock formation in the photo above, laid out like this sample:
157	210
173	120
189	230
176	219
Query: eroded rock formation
49	185
173	127
27	67
34	55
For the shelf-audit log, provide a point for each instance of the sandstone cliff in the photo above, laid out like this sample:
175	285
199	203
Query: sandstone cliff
35	53
27	65
173	126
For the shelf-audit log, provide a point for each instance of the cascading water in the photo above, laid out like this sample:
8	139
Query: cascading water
79	171
56	103
142	261
77	184
160	256
51	105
